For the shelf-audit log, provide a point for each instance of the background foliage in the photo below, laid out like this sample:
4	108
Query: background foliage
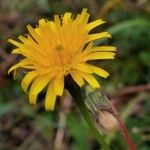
26	127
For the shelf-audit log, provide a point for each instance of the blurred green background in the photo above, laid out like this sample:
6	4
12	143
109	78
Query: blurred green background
26	127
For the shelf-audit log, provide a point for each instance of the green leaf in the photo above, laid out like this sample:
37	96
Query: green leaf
137	22
75	128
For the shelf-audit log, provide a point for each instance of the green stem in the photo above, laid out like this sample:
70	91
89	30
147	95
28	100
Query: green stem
77	94
100	138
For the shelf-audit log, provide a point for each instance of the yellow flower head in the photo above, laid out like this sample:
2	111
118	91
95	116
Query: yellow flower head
55	49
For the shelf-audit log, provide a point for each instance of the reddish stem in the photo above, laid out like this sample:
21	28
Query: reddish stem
126	135
124	131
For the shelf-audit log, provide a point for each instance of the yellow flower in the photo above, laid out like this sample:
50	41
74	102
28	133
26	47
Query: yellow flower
55	49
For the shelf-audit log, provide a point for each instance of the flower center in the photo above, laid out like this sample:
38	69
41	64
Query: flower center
59	47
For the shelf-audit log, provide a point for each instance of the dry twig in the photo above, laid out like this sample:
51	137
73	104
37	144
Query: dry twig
58	143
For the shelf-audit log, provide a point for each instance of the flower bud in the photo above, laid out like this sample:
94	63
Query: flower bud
102	112
106	120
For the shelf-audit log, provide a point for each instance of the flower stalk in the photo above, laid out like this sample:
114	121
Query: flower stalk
77	94
100	138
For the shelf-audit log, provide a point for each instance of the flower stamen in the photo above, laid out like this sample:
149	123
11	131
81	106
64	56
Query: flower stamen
59	47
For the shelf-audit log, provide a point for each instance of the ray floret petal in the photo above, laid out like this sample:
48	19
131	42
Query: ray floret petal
55	49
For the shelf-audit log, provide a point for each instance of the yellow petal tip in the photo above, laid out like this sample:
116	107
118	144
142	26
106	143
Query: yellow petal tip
49	109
